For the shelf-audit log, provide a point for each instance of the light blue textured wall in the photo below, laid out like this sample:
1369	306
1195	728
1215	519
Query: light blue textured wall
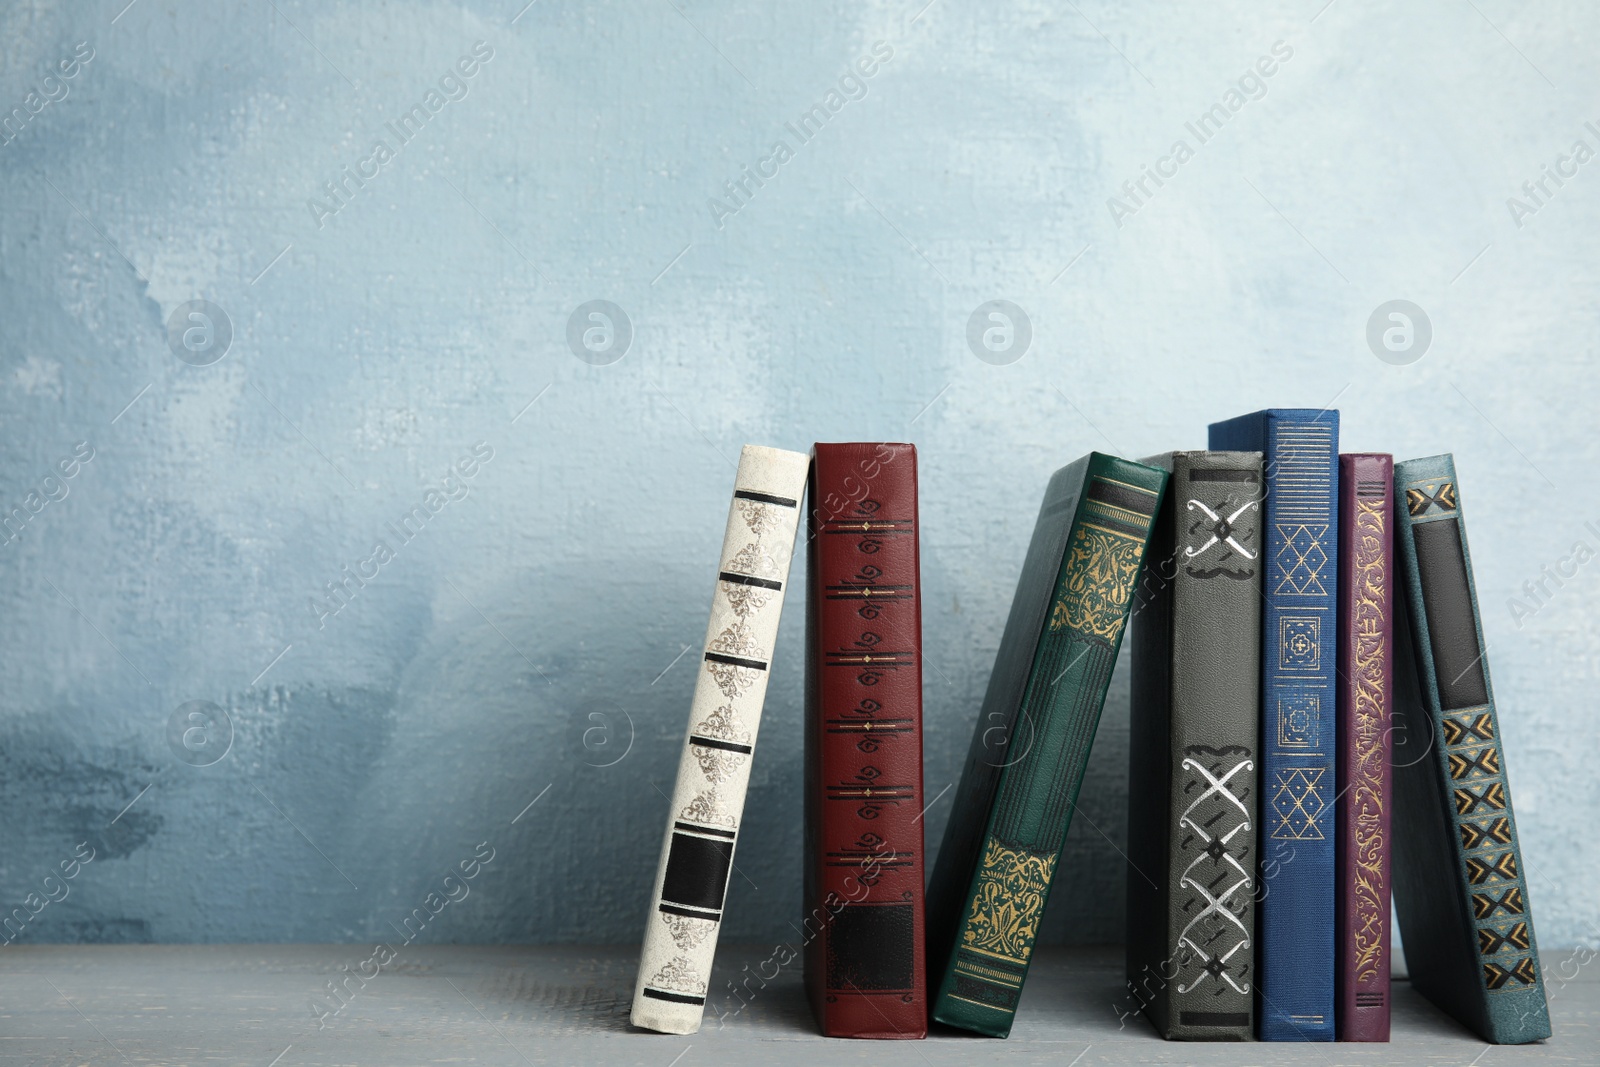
535	628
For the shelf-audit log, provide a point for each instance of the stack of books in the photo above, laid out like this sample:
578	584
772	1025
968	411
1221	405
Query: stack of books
1309	687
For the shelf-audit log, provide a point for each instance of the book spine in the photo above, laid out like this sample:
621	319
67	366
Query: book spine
680	938
1295	911
1215	687
1048	747
864	964
1466	778
997	721
1148	961
1295	901
1364	732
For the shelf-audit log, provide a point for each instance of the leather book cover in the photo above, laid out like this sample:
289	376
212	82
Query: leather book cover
1295	901
1459	884
680	937
1031	741
1193	751
863	922
1365	700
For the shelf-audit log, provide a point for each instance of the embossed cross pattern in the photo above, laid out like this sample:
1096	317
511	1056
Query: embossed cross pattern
1221	531
1215	934
1215	787
1298	804
1215	966
1303	556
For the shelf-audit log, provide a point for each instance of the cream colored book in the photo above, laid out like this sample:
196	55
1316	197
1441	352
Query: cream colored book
680	937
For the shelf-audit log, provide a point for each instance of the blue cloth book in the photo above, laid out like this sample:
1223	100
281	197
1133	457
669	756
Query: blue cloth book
1295	911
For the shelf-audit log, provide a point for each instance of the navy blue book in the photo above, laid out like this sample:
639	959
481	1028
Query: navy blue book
1295	910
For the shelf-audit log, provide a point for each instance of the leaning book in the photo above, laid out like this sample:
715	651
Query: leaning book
680	938
1031	742
1461	890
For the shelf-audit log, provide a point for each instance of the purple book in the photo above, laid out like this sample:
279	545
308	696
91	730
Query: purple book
1365	702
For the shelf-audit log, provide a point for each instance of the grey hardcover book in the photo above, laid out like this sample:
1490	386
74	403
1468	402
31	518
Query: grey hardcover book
1193	752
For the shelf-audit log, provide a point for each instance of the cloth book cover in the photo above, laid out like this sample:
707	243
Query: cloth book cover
1032	738
680	937
1193	752
1295	906
1365	703
863	920
1461	890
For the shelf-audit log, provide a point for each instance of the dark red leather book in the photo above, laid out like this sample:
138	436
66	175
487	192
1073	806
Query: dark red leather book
1363	738
863	922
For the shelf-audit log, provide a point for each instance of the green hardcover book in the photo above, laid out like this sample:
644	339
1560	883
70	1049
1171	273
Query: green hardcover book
1459	884
1028	753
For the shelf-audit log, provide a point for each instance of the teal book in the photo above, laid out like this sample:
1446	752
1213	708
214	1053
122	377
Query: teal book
1459	885
1031	743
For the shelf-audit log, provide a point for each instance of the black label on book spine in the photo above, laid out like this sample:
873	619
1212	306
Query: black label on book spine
1452	626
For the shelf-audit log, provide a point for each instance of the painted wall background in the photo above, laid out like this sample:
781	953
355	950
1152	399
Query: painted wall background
535	629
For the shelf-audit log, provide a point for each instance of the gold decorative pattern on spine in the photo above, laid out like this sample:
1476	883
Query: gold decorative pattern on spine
737	640
687	932
1427	494
751	561
1101	567
1472	754
1368	654
723	723
706	810
678	975
759	516
718	766
746	600
1006	909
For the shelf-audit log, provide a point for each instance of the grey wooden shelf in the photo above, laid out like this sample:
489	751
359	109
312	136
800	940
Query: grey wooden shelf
453	1004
